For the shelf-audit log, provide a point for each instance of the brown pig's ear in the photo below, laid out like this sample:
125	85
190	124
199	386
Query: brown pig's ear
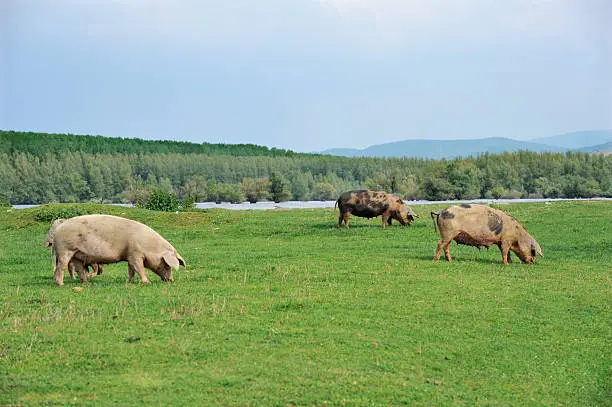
537	248
171	260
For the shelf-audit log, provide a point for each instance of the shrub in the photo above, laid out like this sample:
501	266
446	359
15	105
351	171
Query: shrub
324	191
4	203
159	200
188	204
230	193
138	196
255	189
50	212
499	192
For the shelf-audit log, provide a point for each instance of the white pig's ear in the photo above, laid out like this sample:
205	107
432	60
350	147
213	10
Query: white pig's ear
171	260
180	260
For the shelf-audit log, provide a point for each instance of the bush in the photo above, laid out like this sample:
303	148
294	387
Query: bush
230	193
4	203
137	196
499	192
50	212
188	204
159	200
255	189
324	192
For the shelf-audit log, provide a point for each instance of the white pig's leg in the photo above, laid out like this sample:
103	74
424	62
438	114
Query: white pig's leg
136	265
60	266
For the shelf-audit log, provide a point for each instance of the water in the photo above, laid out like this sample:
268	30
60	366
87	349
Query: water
330	204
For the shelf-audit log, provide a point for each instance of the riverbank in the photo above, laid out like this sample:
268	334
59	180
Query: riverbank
265	205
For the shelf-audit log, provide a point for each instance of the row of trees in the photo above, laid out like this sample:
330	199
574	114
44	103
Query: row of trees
41	143
75	176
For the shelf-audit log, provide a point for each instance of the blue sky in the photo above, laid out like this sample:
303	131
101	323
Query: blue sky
306	74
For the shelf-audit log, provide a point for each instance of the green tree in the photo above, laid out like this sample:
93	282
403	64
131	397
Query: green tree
231	193
279	187
300	186
436	186
408	187
547	188
212	191
9	180
79	188
195	188
324	192
464	176
387	180
165	184
255	189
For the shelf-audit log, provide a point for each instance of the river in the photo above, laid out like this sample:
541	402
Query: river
330	204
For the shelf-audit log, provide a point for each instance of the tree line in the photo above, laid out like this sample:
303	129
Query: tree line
41	143
28	177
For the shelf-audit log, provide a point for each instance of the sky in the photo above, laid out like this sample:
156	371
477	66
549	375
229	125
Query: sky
306	75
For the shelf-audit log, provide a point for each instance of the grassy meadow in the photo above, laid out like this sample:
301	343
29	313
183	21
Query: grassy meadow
282	308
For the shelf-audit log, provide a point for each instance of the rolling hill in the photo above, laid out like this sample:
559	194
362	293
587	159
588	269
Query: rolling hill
605	148
577	139
583	141
437	149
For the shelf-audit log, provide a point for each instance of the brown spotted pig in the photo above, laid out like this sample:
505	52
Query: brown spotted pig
482	226
370	204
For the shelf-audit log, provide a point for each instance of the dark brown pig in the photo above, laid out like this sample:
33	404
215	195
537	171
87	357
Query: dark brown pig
370	204
482	226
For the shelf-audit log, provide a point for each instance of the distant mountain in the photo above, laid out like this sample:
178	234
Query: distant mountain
605	148
577	139
443	148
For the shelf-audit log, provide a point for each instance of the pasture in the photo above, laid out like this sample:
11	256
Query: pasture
282	308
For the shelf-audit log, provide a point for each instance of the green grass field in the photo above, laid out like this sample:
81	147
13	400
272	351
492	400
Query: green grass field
281	308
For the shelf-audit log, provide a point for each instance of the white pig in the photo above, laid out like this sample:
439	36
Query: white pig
105	239
97	269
